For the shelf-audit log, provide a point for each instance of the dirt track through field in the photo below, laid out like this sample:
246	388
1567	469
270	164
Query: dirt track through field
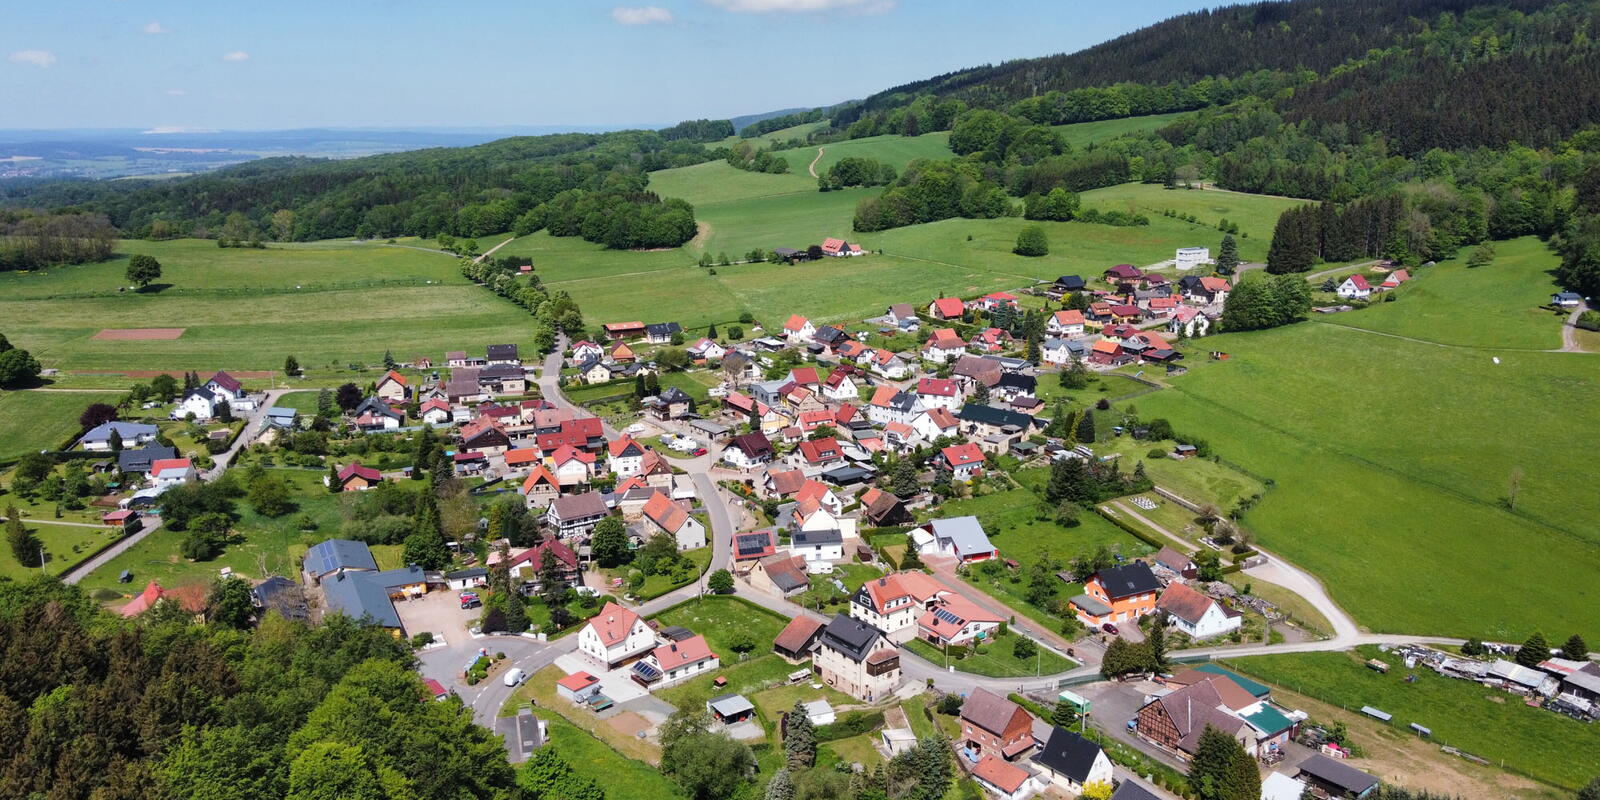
138	334
812	167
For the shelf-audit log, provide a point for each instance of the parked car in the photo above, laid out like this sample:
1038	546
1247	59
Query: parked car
470	602
1109	628
698	451
515	676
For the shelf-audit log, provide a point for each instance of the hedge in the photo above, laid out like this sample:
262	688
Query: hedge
851	724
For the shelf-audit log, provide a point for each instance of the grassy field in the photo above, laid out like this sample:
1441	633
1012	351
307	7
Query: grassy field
327	303
1496	306
1084	134
36	420
617	774
796	220
64	545
263	546
1256	215
721	619
894	150
1485	722
998	662
716	181
1391	461
1196	479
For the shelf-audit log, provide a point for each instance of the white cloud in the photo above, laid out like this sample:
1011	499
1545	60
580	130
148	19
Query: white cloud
177	92
38	58
641	15
155	29
763	6
237	55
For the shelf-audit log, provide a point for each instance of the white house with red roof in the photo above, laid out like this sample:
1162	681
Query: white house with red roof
578	687
1004	779
841	385
965	461
816	455
706	350
839	248
671	518
615	636
229	387
169	472
994	300
889	364
624	456
894	603
943	345
1189	322
954	620
571	466
391	387
1355	287
947	308
540	487
1068	322
436	412
939	393
1395	278
822	494
798	330
585	350
676	661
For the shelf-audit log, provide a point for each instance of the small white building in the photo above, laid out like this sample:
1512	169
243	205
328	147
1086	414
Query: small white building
1194	614
819	712
1193	257
1355	287
820	549
578	687
614	636
677	661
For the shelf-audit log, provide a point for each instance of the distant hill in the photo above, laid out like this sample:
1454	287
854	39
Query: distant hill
739	123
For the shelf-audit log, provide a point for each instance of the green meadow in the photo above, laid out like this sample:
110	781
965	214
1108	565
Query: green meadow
1395	464
896	151
1255	214
35	420
1084	134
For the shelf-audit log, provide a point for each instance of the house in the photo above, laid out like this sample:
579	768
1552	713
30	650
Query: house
191	598
882	509
901	312
1192	257
1189	322
1070	283
676	661
671	519
939	393
1071	762
370	595
593	371
485	436
458	358
961	537
783	575
857	659
1566	299
374	414
499	379
583	351
578	687
520	460
707	350
614	636
576	514
947	308
797	639
1107	353
993	726
997	427
952	619
1335	778
503	354
1354	287
540	487
1003	779
662	332
200	402
894	603
889	404
463	386
965	461
624	456
166	473
1195	614
730	709
934	423
749	451
472	577
841	385
821	549
1014	387
618	331
1394	279
528	566
798	330
621	353
137	462
815	495
943	346
1118	594
839	248
1123	273
391	387
434	412
228	386
820	454
573	467
1279	786
1204	289
798	399
336	555
972	370
356	478
1174	721
1180	564
751	547
1062	351
1065	323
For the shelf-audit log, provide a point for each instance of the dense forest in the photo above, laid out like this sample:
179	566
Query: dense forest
29	240
92	706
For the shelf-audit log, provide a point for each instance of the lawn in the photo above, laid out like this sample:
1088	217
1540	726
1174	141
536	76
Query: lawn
893	149
1199	480
617	774
998	662
263	545
541	689
795	220
717	182
779	699
1482	721
1492	307
1256	215
747	678
326	303
856	749
723	619
657	585
1083	134
64	545
42	420
1391	460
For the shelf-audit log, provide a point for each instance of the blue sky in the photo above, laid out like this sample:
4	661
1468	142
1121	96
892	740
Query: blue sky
399	63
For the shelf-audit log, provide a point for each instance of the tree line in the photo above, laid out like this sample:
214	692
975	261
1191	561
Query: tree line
36	239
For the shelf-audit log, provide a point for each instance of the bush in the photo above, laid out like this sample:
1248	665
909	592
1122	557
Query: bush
422	639
851	724
950	705
1156	452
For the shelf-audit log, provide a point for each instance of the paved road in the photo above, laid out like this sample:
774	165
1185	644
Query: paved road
78	573
252	431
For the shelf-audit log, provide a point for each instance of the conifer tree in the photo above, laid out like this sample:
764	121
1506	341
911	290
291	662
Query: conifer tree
800	739
1534	650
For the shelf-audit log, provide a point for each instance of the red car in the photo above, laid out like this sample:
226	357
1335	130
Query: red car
699	451
1109	628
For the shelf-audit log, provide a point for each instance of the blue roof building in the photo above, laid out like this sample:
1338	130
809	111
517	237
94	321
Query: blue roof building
328	557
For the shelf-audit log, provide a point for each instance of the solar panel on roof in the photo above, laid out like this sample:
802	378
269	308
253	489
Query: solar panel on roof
945	616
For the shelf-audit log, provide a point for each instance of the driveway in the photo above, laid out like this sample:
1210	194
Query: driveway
439	613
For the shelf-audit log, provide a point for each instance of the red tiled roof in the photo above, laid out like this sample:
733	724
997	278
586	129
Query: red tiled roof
433	404
577	681
1008	777
162	464
662	511
939	387
799	631
537	476
959	613
817	451
692	650
787	482
520	456
567	453
962	454
435	688
795	323
226	381
391	375
354	469
1213	284
613	623
620	447
1359	281
946	337
1071	316
882	395
805	376
949	307
623	327
534	556
845	413
942	417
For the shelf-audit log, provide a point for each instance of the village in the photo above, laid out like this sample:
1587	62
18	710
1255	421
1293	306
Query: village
763	526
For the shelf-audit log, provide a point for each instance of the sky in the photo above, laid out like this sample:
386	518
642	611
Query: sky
167	65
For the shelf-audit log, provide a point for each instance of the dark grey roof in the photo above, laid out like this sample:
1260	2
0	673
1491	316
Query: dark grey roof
663	328
502	351
1070	282
128	431
846	476
283	596
375	406
673	394
1128	580
139	460
989	415
816	538
365	595
1012	380
1069	754
850	636
754	445
903	401
499	372
333	554
1129	790
749	544
1332	772
829	334
677	633
470	572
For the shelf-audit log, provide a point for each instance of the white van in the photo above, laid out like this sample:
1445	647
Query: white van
515	676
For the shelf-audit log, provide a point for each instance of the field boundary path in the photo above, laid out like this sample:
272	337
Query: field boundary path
480	259
78	573
1569	332
812	167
